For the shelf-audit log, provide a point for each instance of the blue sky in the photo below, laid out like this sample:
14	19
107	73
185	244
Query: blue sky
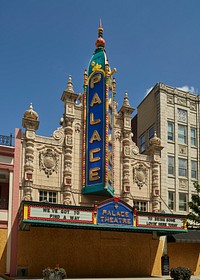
44	41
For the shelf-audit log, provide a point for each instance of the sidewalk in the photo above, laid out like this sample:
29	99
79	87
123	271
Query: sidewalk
127	278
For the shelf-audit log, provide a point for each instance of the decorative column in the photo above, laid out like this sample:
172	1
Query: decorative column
69	98
154	150
30	122
126	111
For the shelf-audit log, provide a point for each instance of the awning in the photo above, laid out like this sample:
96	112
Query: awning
192	236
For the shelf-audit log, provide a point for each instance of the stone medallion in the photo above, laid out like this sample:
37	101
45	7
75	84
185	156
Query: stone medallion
48	161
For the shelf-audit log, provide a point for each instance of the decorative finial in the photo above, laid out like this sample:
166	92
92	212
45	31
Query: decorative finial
100	29
100	41
126	101
31	106
155	140
70	84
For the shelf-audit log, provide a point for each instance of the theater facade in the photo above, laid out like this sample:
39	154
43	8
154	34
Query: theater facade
87	199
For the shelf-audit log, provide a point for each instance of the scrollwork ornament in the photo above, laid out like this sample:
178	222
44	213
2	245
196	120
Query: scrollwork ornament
30	134
58	135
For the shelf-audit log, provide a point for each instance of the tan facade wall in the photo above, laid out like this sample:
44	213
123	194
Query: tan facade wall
3	239
146	114
86	253
186	255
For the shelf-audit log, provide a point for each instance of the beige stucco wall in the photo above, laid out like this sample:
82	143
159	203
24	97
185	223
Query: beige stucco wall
3	242
86	253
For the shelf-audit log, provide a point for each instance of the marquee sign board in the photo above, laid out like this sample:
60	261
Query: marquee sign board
112	213
158	221
115	212
57	214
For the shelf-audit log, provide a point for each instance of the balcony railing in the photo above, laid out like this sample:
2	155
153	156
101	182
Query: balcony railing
6	140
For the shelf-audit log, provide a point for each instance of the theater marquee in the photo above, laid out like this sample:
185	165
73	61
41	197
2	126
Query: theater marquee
113	214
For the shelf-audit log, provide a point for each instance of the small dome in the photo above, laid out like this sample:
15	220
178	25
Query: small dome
31	114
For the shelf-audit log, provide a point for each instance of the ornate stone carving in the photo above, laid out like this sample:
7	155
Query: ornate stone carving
128	122
192	106
48	161
140	175
118	135
69	121
134	150
30	134
182	150
170	99
126	150
27	193
183	184
77	127
70	109
58	135
68	140
181	101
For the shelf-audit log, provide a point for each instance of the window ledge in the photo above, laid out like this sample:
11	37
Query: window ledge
171	141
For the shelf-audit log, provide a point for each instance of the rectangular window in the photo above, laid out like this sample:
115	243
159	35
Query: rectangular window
52	197
182	167
170	165
193	136
182	134
142	205
151	132
193	169
170	135
171	196
142	143
43	196
48	196
182	201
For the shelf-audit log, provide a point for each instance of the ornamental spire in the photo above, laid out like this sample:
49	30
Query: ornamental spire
100	41
70	84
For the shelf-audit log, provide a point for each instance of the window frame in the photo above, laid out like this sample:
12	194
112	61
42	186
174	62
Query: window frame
181	168
193	139
171	202
170	132
142	143
182	203
182	137
46	196
151	132
194	170
142	205
171	166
